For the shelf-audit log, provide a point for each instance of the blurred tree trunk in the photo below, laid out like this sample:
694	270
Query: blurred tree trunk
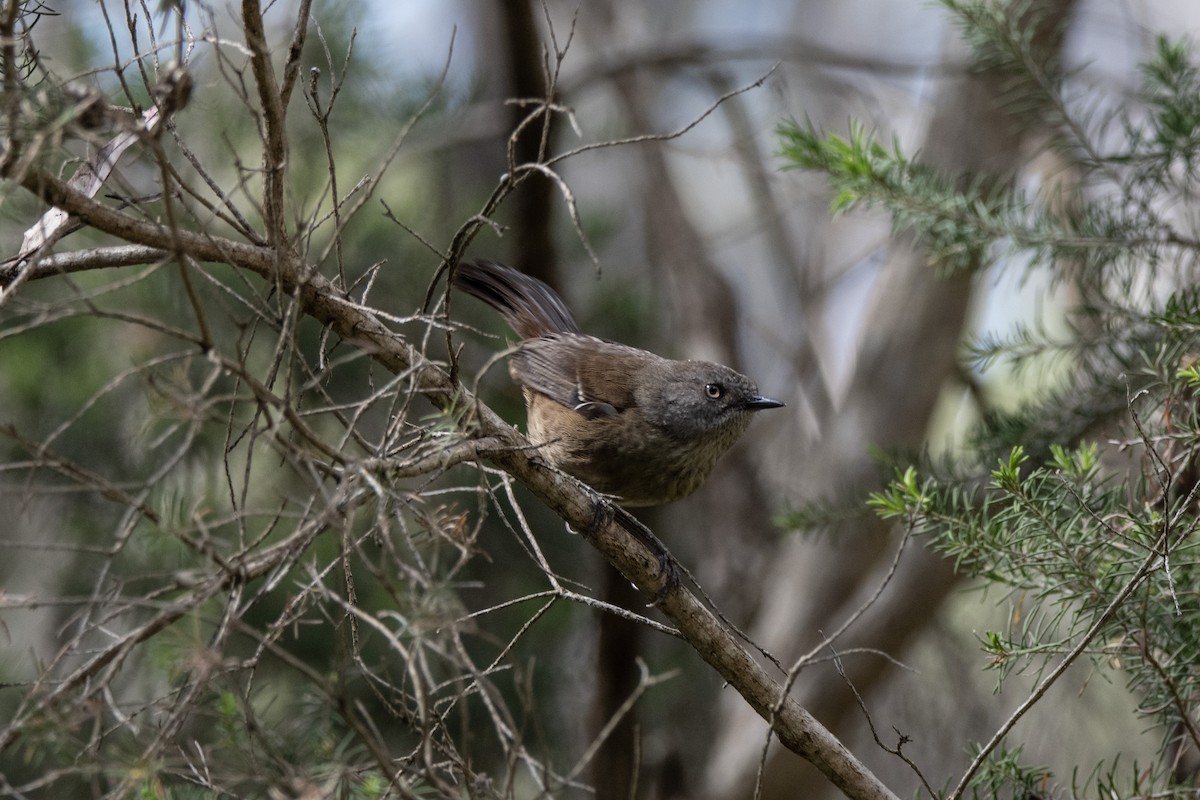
533	202
907	358
514	79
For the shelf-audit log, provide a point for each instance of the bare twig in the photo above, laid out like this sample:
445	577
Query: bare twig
273	104
901	739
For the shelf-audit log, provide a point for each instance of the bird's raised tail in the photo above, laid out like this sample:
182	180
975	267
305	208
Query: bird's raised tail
531	307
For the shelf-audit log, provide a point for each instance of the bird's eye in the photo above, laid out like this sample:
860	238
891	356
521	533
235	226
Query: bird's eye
714	390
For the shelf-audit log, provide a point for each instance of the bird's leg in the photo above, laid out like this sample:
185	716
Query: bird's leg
605	511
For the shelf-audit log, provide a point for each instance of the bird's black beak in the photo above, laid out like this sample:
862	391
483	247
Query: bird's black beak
757	403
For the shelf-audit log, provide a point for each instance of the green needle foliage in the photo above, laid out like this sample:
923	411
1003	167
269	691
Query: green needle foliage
1083	502
955	224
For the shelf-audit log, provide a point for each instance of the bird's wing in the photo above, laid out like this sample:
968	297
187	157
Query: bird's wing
588	374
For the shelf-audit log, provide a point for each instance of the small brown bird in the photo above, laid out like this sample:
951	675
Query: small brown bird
638	427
